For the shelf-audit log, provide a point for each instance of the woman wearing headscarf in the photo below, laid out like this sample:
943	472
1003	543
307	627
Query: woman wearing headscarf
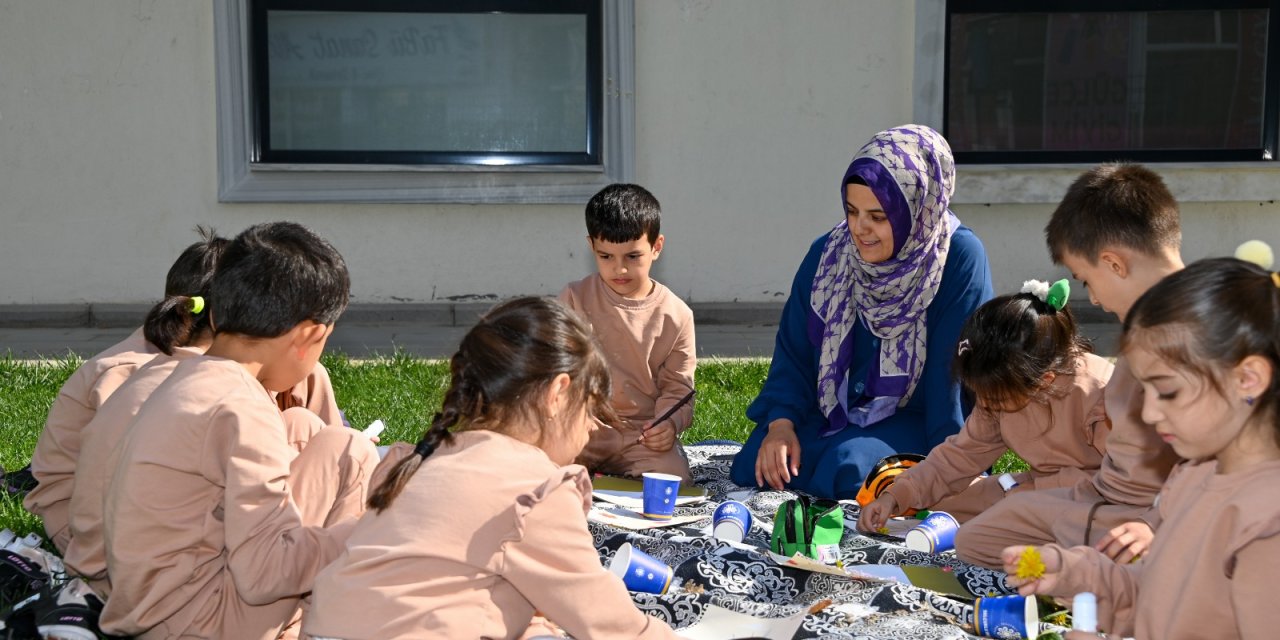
861	365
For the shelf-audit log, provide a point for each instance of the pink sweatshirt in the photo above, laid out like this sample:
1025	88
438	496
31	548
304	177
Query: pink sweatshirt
1210	569
201	528
1063	441
54	461
649	344
487	531
86	553
1137	461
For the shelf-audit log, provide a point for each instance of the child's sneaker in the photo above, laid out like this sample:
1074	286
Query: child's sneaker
20	482
72	614
24	574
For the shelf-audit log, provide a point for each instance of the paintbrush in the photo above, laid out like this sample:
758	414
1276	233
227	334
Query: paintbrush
674	408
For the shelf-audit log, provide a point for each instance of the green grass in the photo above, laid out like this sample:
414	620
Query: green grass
402	391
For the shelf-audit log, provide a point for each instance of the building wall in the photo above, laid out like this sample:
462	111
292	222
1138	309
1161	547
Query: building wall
747	113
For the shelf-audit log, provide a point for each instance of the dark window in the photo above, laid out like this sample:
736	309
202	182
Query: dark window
1053	81
420	82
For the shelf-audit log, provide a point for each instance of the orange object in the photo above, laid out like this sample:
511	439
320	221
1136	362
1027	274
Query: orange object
883	475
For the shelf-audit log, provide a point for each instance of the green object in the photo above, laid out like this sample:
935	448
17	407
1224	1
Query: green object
1059	293
813	528
922	514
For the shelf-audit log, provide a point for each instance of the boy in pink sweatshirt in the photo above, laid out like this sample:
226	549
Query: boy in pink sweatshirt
1118	231
212	524
646	332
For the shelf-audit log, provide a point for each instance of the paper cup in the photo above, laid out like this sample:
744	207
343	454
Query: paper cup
934	534
731	521
640	571
660	491
1006	617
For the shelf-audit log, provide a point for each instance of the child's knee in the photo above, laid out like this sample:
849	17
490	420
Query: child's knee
300	426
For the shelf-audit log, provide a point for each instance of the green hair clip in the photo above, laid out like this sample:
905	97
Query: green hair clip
197	305
1059	293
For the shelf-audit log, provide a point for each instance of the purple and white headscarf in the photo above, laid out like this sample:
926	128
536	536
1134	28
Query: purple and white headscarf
911	171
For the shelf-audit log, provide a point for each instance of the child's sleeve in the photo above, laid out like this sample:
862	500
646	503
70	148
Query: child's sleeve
952	465
675	376
1097	425
554	565
1116	585
270	554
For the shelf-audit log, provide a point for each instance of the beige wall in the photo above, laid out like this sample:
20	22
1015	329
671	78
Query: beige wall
747	112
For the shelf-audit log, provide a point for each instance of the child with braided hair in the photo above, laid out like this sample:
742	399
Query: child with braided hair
484	522
1039	393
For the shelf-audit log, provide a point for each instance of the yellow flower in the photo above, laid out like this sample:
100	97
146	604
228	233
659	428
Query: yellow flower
1030	564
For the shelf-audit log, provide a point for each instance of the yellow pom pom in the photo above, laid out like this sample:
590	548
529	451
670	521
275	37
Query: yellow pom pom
1030	564
1257	252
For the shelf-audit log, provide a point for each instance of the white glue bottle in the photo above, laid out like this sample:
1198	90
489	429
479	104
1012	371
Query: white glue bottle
1084	612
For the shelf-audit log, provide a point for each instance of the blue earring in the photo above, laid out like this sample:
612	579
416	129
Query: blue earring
1248	400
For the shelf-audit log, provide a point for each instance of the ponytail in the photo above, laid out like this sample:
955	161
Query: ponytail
175	322
501	367
461	402
181	317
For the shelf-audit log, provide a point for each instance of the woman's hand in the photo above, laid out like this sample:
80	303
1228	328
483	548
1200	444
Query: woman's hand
779	458
1126	542
1030	586
877	513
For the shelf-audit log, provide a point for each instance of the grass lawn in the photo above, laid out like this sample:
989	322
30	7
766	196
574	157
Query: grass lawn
402	391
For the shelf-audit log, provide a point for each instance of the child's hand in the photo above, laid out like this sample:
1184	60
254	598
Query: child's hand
1126	542
660	437
1029	586
877	513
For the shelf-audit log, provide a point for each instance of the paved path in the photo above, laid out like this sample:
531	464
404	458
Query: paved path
429	341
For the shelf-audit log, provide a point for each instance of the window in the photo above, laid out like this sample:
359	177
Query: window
1054	81
421	101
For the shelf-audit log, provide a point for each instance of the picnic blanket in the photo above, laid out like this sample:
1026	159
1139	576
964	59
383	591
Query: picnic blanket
712	575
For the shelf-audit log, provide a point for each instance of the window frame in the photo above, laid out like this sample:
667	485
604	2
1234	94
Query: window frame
1270	138
241	178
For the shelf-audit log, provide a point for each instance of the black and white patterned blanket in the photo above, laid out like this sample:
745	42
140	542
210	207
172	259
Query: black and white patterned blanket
711	574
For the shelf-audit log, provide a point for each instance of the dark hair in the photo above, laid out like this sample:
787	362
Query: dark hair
1120	205
275	275
1207	318
1009	344
171	323
623	213
503	363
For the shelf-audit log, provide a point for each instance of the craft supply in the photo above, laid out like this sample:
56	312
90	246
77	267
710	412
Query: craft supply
934	534
660	491
1084	612
674	408
641	571
731	521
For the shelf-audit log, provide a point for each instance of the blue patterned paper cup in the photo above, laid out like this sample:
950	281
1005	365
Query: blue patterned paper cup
934	534
640	571
660	492
731	521
1006	617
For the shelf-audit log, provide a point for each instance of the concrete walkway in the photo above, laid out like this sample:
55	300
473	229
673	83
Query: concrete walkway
363	340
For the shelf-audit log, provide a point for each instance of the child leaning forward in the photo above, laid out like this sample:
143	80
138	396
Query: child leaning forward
1039	393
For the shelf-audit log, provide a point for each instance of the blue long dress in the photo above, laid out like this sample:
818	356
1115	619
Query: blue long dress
834	466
